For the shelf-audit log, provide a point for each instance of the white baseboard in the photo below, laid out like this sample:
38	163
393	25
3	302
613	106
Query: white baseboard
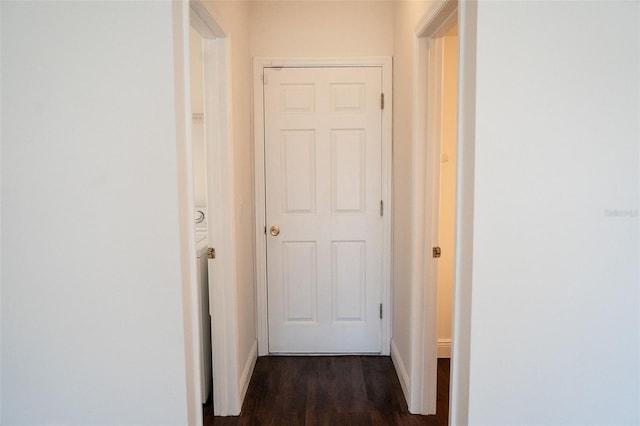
444	348
247	371
401	371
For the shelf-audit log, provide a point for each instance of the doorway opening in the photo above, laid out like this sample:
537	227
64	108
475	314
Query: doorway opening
434	196
196	59
214	299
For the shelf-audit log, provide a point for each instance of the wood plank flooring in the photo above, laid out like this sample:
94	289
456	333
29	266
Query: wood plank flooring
342	390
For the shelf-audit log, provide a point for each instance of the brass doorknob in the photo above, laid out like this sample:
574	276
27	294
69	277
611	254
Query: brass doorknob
274	230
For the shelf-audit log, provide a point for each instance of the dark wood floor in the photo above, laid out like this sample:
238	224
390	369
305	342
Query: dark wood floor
343	390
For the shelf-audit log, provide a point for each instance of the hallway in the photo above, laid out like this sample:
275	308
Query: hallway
344	390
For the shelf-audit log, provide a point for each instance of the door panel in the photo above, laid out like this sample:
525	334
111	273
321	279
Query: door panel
323	189
298	175
348	280
299	281
348	171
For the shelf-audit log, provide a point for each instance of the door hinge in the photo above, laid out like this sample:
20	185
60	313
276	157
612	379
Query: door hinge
381	311
381	208
381	100
211	253
437	251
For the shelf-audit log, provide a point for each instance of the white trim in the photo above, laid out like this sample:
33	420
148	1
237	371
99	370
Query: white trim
259	63
437	19
444	348
401	370
425	207
262	326
203	22
188	268
357	61
249	365
461	326
223	298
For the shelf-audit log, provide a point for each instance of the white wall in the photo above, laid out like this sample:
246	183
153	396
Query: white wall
321	28
555	305
197	124
195	71
92	321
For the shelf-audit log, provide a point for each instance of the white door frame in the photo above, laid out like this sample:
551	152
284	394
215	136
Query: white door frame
223	298
259	63
185	200
465	170
218	146
427	110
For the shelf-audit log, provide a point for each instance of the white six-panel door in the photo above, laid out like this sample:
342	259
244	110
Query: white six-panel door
323	192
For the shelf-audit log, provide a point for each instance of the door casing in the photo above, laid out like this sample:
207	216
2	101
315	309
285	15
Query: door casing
228	388
420	388
259	63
